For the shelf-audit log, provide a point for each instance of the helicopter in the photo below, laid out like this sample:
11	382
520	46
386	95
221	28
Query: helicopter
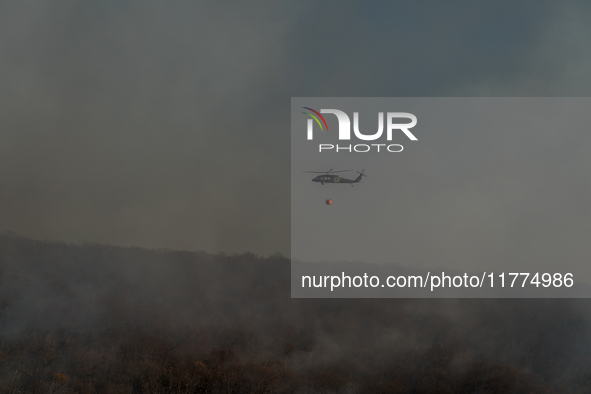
330	177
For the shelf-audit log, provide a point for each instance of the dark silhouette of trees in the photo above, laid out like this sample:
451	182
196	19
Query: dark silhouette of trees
103	319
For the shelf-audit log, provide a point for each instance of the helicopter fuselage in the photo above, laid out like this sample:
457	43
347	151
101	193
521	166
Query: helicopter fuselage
327	178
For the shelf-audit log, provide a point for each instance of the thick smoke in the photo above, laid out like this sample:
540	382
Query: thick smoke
160	124
156	320
165	124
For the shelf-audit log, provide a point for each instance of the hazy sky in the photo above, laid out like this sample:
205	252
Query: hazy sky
166	124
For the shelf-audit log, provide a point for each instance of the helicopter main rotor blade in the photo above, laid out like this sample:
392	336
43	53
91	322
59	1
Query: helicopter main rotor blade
326	172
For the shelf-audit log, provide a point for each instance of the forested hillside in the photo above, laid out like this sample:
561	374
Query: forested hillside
105	319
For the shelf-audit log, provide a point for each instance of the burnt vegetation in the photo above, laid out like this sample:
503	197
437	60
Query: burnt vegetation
104	319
